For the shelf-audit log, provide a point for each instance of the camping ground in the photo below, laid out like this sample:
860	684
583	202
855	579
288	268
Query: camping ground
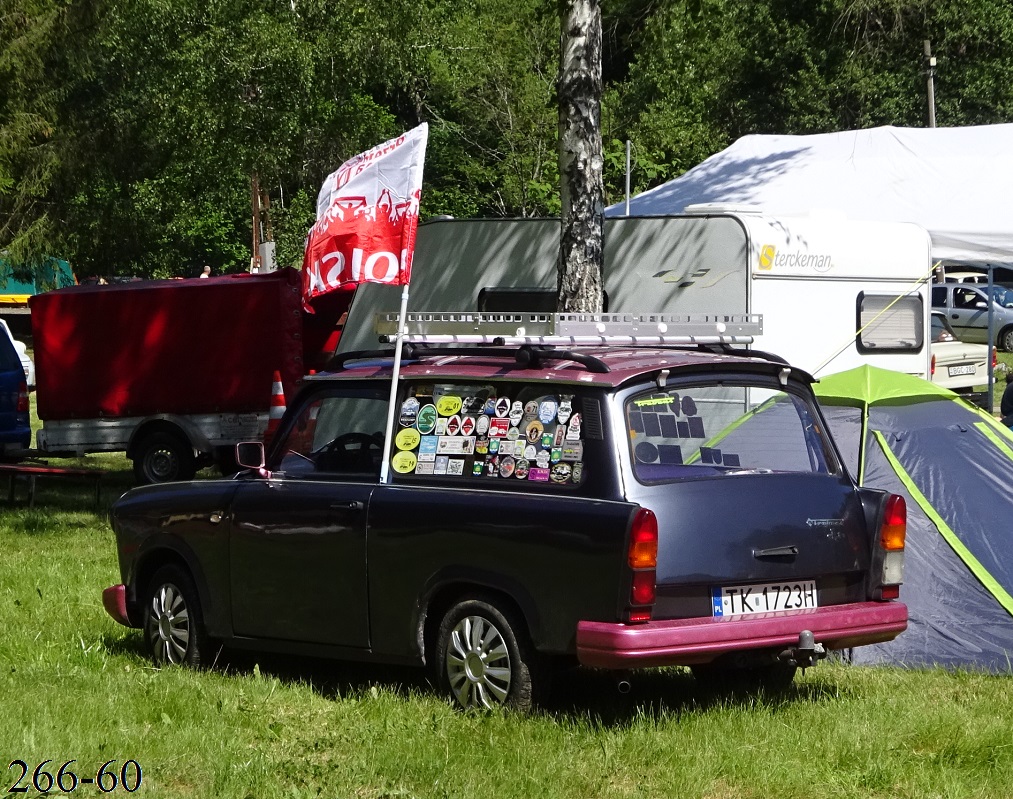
76	686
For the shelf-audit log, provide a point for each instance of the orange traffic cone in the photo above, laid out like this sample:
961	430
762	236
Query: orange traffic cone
277	408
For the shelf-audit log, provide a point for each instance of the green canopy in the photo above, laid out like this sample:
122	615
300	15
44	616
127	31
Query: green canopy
870	385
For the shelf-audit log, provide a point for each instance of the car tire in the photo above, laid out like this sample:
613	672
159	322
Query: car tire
483	658
173	623
1006	340
770	678
164	458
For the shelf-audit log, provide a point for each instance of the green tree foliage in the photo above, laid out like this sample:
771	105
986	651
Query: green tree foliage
130	129
35	63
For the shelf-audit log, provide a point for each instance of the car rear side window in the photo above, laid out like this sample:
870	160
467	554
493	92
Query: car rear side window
689	432
506	433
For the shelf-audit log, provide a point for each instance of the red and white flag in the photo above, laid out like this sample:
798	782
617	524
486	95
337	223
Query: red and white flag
367	217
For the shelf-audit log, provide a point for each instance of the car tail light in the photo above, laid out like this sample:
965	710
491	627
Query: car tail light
995	358
894	529
932	370
23	397
642	557
643	552
892	534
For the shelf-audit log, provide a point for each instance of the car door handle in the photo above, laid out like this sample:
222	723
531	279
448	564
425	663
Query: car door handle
776	552
352	504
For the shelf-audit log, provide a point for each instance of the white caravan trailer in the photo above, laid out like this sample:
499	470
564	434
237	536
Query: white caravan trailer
833	293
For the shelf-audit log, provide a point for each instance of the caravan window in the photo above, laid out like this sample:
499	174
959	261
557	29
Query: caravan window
890	323
520	300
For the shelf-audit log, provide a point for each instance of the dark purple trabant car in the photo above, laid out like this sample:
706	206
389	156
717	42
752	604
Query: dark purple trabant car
616	507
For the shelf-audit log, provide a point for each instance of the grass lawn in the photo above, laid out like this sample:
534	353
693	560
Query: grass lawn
74	685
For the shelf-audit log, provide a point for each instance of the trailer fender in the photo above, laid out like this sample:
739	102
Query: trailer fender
172	424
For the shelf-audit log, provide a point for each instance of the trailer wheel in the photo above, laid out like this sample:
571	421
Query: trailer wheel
164	458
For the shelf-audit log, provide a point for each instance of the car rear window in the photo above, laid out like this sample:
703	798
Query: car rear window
688	432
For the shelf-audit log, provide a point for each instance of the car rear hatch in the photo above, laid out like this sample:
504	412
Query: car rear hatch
758	543
755	512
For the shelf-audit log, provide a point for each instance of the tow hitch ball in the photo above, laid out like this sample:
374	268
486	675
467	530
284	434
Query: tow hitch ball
806	653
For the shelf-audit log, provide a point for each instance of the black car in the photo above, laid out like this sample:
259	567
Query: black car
613	506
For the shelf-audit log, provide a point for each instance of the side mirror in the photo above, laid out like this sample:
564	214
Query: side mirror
250	454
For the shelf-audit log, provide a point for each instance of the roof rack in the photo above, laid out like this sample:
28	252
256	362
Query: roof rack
570	329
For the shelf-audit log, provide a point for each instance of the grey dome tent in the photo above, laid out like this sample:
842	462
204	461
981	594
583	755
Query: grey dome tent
953	464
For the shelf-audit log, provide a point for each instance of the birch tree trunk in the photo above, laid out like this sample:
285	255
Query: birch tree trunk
580	158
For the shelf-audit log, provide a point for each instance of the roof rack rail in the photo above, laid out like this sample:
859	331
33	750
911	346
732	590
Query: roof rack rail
527	356
570	329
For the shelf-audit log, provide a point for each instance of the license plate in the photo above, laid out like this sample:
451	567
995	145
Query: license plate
953	371
736	600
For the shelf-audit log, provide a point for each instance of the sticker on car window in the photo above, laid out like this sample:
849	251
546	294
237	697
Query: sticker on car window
427	448
409	412
407	439
560	473
448	405
565	409
427	417
404	462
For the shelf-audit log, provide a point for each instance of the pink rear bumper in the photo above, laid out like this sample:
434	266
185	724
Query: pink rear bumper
683	642
114	599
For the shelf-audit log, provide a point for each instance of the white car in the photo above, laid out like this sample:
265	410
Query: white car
22	350
957	365
965	277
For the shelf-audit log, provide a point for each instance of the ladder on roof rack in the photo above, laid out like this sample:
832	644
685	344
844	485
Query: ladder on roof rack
570	329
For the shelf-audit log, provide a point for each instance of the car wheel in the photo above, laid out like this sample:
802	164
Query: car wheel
164	458
483	660
173	624
771	678
1006	340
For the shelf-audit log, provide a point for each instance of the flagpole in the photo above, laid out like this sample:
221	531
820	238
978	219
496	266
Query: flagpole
391	409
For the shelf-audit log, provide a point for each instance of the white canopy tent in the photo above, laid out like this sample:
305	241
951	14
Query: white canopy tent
957	183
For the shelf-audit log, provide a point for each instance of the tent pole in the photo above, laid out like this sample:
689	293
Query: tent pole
991	341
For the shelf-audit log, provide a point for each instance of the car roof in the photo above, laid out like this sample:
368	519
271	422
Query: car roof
622	364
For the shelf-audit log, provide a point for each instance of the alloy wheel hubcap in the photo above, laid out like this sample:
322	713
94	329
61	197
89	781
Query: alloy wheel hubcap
478	663
170	625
